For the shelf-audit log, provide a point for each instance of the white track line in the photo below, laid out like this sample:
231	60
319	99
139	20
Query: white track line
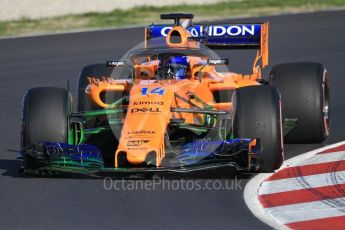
251	190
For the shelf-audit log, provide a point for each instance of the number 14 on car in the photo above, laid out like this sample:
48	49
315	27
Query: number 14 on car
147	91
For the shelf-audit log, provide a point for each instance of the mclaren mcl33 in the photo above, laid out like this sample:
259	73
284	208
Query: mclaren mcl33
172	105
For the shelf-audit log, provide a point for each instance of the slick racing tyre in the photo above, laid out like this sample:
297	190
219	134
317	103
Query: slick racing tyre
257	114
97	71
45	113
304	90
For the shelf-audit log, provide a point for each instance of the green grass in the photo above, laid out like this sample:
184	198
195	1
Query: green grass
147	14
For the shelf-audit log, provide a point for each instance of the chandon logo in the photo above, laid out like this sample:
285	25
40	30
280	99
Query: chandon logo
218	30
137	142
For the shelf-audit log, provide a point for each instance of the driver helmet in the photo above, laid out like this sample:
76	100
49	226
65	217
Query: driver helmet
178	68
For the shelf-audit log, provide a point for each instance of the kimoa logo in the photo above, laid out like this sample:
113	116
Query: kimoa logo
141	132
216	31
148	103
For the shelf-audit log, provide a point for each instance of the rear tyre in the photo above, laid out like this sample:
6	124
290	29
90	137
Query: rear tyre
257	114
97	71
304	89
45	113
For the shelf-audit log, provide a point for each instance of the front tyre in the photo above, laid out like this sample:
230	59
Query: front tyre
257	114
45	112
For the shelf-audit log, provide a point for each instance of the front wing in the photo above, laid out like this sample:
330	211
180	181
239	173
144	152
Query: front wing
49	158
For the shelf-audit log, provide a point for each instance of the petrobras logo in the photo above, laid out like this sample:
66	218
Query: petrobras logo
217	30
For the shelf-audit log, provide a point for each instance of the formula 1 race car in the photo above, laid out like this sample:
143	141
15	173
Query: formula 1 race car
171	105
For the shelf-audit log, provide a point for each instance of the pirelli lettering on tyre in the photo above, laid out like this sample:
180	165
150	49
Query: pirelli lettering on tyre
136	143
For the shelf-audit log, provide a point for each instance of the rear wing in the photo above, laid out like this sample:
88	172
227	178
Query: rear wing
222	36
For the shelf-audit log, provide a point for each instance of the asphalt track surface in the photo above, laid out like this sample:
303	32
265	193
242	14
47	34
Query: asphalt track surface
43	203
